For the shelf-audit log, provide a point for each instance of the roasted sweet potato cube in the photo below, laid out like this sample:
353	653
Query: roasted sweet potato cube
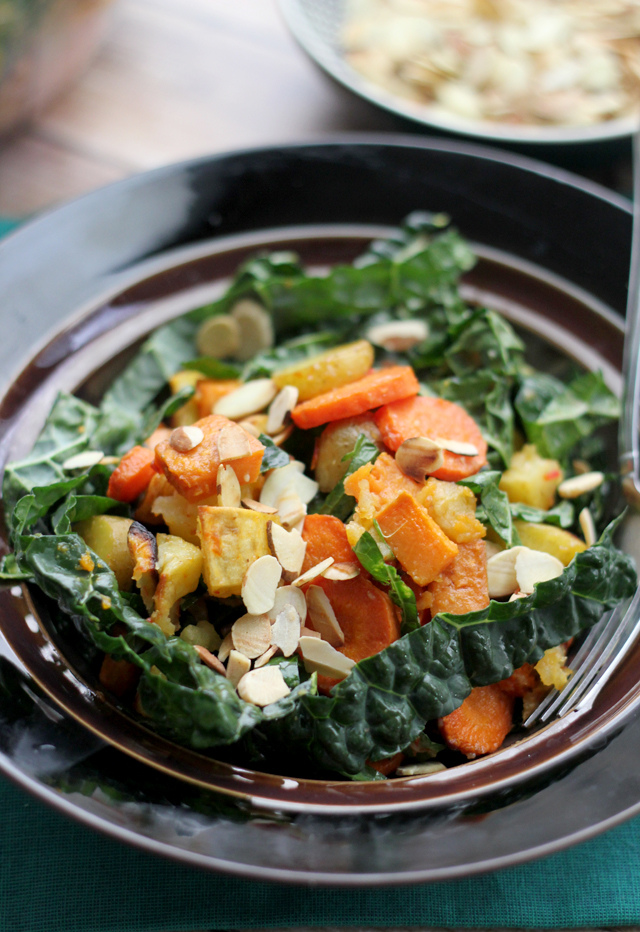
462	586
194	473
231	539
419	545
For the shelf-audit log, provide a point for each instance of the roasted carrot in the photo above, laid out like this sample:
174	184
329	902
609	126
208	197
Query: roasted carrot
388	764
521	681
366	615
132	475
481	723
208	391
421	548
462	586
194	472
438	419
118	676
326	536
378	387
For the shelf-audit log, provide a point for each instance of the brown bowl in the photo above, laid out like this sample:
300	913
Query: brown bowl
134	277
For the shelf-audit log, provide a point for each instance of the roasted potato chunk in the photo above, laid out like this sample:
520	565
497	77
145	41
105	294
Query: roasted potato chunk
554	540
321	373
232	539
453	508
531	479
338	439
106	535
179	570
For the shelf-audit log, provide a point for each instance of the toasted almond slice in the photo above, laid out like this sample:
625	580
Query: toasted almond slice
233	443
321	657
84	460
250	427
588	527
418	457
578	485
251	635
342	571
250	398
253	505
187	438
288	595
398	336
535	566
237	665
218	337
291	510
283	436
259	585
110	460
313	572
210	660
288	548
225	648
323	618
289	478
256	329
279	413
309	633
285	631
415	770
263	686
228	487
501	573
457	446
266	657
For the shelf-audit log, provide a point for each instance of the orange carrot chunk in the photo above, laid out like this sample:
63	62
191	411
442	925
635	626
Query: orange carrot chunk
521	681
462	586
132	475
194	473
378	387
438	419
326	536
419	545
481	723
388	764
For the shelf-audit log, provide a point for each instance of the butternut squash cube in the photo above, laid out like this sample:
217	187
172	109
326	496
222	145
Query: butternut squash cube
231	539
421	548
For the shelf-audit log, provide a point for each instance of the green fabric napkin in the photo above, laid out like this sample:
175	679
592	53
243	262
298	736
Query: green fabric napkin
58	876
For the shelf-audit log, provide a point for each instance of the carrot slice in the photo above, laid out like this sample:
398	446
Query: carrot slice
418	544
481	723
132	475
378	387
462	586
388	764
435	418
194	473
521	681
366	615
326	536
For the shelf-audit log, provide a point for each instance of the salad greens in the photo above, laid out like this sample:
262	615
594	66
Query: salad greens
470	356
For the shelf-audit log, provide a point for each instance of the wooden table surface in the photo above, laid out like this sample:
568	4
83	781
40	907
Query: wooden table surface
176	79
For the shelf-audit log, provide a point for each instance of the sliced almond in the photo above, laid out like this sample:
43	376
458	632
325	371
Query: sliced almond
418	457
588	527
341	571
233	443
253	505
237	665
263	686
218	337
535	566
501	573
288	548
256	329
228	487
225	648
266	657
578	485
398	336
259	585
250	398
283	436
415	770
250	428
309	633
291	510
184	439
279	413
289	478
322	616
210	660
457	446
288	595
285	631
320	657
251	635
84	460
313	573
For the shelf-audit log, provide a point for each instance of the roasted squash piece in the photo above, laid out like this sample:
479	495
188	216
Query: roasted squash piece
462	586
453	508
208	391
231	539
179	570
144	553
421	548
193	473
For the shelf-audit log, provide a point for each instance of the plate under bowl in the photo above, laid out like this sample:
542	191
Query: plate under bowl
161	243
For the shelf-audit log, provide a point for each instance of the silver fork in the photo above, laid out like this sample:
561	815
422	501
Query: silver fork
607	643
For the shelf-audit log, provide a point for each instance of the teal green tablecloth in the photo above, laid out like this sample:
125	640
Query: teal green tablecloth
58	876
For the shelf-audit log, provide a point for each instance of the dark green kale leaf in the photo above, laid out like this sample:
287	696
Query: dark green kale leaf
337	502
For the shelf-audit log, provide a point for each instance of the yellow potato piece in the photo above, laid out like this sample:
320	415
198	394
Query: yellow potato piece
106	535
331	369
531	479
232	539
179	570
554	540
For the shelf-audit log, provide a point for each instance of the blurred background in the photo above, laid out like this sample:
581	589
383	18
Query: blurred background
94	90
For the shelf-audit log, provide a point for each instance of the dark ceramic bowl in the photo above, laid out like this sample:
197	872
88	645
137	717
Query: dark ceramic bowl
83	283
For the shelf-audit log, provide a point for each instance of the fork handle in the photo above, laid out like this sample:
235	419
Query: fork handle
629	430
